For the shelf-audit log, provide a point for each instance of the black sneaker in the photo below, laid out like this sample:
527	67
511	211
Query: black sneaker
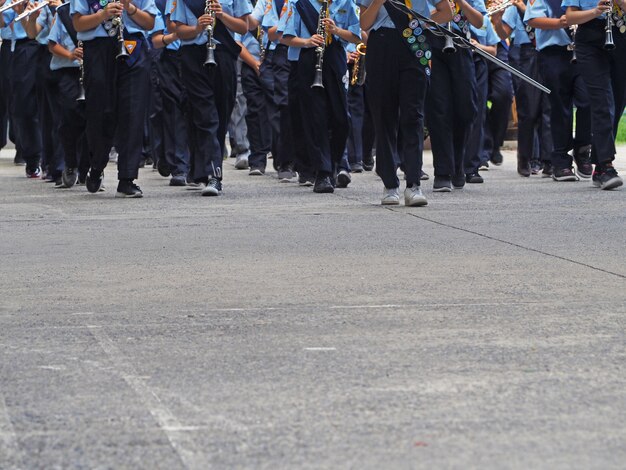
424	176
496	158
94	181
33	172
523	167
82	179
19	161
178	180
474	178
607	178
127	188
547	170
69	177
535	168
306	180
323	184
584	168
163	168
368	163
343	179
564	174
213	187
458	181
442	184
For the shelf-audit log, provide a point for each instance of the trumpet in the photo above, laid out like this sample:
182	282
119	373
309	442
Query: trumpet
122	53
11	5
358	69
609	45
319	50
496	6
81	78
210	44
27	13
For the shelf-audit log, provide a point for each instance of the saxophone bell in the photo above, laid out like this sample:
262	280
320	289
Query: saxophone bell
358	69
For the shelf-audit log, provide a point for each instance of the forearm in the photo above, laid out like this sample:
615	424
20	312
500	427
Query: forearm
187	32
31	28
576	16
59	51
347	36
545	23
88	22
236	25
294	41
253	23
369	14
488	49
474	16
442	13
161	41
143	19
246	57
273	34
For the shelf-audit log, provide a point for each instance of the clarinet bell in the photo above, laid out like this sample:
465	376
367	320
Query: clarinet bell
81	94
210	57
449	47
122	53
609	45
317	82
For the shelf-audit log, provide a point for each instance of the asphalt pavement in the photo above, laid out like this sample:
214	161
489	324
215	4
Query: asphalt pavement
276	328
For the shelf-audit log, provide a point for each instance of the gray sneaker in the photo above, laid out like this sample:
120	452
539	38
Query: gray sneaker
285	176
241	162
413	197
391	197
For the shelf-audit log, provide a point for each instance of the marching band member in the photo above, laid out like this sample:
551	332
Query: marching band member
564	80
210	88
451	101
603	70
531	104
397	84
274	74
67	56
322	93
486	39
116	88
23	83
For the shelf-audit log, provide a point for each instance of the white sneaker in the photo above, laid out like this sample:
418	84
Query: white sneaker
241	162
413	197
391	197
113	155
195	186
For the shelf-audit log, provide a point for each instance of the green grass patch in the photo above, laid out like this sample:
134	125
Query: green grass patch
621	131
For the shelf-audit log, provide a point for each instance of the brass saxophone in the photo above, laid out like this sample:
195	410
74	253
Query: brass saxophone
319	50
210	44
358	68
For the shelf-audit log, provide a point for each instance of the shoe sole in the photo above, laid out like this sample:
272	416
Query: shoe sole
582	175
324	191
565	178
306	184
417	203
181	184
394	202
128	196
256	173
443	189
613	183
210	192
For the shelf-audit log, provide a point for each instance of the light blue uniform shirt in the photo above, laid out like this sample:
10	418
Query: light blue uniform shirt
170	6
485	35
58	34
45	21
342	11
478	5
182	14
382	18
6	34
250	42
512	18
88	7
265	12
546	37
18	32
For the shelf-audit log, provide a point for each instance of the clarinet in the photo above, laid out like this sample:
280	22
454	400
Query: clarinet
210	44
118	22
572	46
319	50
81	78
609	45
260	35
